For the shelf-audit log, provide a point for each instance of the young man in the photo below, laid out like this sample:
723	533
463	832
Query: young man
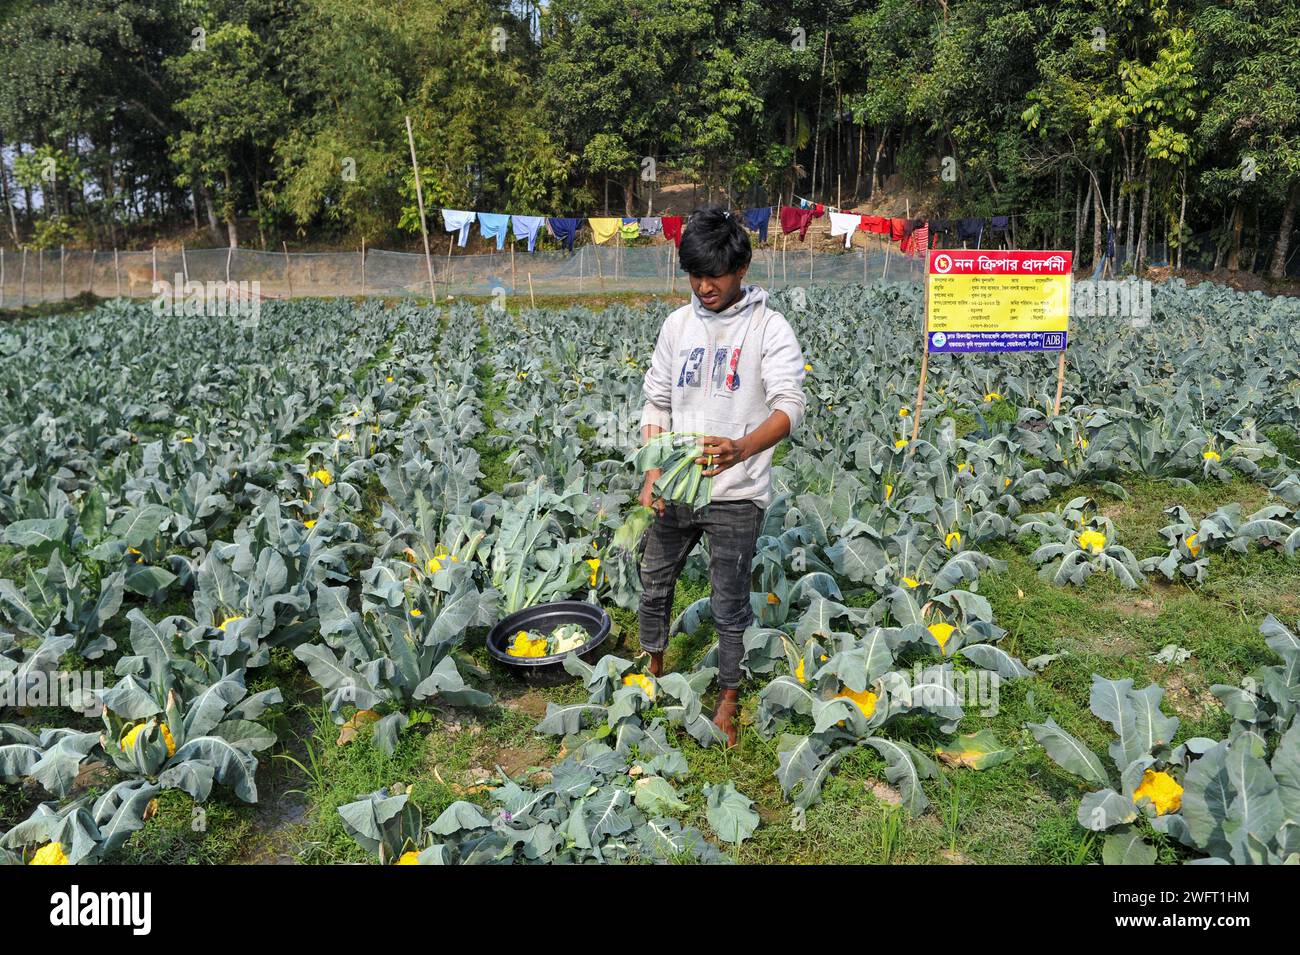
727	366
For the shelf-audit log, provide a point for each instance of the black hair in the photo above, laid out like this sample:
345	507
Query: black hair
714	243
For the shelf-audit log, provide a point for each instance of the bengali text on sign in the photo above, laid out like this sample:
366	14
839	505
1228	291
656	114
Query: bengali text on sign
991	301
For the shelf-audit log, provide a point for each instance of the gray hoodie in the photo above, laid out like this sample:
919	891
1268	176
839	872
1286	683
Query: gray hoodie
723	374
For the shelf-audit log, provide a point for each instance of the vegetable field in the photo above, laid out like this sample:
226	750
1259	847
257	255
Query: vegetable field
278	547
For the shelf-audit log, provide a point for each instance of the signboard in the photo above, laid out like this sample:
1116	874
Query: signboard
992	301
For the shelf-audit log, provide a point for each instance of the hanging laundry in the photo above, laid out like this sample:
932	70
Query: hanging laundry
918	241
793	219
526	228
968	229
651	225
604	228
845	224
756	220
630	228
458	220
672	226
494	225
896	227
909	226
937	228
566	230
818	210
877	225
1000	223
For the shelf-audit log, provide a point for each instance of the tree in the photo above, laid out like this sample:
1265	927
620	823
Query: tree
228	106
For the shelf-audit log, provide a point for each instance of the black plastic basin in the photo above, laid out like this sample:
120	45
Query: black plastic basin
543	619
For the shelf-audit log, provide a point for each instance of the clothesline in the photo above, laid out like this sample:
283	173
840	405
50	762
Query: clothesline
912	235
809	202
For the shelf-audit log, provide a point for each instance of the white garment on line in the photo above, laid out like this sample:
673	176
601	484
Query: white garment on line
457	219
845	223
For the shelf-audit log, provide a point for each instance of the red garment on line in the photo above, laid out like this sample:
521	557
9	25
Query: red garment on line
877	225
672	226
896	227
793	218
919	241
818	209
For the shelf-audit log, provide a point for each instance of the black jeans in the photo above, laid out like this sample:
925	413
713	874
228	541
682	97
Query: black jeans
733	528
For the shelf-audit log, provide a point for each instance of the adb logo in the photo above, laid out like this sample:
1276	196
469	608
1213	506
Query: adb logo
1054	340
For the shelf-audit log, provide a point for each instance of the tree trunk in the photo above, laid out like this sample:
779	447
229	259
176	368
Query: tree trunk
1097	247
210	207
1141	245
1115	219
1080	219
862	146
875	162
1234	248
1182	213
629	195
232	229
27	192
1277	267
8	197
1130	247
817	124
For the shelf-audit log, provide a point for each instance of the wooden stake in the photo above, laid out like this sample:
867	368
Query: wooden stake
1060	382
600	270
514	281
925	353
63	285
363	266
40	275
451	242
785	275
117	273
288	272
230	250
22	287
153	269
94	254
185	267
2	276
419	196
531	298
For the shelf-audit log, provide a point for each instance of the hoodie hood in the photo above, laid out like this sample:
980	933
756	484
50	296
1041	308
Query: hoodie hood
751	296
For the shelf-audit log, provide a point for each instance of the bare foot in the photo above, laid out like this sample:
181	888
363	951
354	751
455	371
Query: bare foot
725	718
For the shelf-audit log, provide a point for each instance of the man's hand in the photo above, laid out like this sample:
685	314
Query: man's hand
647	496
720	454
